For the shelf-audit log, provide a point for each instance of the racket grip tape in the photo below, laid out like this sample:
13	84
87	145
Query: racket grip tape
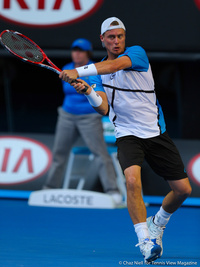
84	90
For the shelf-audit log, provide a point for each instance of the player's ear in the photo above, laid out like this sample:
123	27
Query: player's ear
102	39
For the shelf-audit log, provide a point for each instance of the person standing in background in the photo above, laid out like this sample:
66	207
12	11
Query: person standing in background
77	118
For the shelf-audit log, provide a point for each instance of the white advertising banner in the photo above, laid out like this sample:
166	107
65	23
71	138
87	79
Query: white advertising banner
46	13
71	198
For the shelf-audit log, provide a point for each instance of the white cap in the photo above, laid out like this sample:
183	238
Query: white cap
105	26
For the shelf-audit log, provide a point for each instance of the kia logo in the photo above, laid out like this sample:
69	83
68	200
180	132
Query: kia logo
22	159
197	2
47	13
194	169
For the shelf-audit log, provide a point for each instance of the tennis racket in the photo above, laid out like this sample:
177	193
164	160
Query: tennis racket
28	51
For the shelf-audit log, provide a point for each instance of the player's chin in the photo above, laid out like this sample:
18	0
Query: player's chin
117	52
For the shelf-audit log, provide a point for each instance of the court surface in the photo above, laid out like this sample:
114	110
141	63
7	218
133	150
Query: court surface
60	237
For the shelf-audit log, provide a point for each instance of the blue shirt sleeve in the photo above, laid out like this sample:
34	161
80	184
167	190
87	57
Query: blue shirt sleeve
138	57
96	83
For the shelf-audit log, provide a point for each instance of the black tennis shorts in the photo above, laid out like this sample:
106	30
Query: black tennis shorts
160	153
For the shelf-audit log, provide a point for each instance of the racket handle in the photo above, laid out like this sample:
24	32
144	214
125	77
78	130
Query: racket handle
85	90
86	87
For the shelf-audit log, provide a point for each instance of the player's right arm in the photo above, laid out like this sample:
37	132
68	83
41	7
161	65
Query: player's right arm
134	57
100	68
112	66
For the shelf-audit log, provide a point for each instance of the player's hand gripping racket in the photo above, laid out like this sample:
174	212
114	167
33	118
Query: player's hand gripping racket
25	49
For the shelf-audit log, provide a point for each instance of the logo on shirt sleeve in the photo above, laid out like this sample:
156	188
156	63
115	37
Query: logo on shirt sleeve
93	86
112	75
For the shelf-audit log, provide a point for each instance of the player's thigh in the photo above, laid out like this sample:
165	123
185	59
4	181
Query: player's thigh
164	158
130	152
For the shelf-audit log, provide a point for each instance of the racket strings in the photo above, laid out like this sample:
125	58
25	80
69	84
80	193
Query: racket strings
22	47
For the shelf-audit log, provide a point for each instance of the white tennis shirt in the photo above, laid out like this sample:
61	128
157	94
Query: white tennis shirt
134	108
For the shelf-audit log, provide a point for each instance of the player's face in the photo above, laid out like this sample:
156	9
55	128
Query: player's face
114	41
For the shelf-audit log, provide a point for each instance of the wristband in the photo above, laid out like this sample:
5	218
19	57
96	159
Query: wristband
87	70
94	99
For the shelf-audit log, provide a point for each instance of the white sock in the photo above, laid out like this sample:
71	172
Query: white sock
141	230
162	217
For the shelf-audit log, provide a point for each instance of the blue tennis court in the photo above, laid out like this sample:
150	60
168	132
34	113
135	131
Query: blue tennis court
59	237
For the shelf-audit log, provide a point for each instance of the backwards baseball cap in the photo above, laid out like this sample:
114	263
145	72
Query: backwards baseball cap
83	44
106	25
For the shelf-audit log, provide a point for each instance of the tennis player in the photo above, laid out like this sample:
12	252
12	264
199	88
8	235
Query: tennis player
123	87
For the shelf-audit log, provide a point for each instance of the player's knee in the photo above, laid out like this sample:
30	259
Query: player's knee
188	191
132	183
185	192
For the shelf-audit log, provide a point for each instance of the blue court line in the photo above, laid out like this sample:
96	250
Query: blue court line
157	200
152	200
19	194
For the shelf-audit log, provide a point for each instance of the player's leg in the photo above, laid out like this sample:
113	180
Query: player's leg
181	189
166	161
135	203
137	211
131	156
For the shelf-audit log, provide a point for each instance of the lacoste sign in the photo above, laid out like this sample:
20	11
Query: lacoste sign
47	13
71	198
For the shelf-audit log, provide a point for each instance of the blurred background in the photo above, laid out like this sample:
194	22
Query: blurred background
169	31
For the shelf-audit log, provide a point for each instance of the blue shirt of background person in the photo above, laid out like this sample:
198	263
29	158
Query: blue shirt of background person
76	103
